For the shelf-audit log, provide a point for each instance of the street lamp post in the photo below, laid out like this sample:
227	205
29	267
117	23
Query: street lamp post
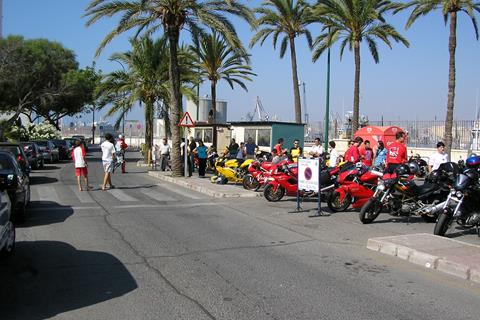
327	102
123	102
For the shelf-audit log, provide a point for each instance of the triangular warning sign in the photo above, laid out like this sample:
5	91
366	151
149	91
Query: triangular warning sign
186	121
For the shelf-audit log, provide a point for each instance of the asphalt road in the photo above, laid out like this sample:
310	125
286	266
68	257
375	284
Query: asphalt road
152	250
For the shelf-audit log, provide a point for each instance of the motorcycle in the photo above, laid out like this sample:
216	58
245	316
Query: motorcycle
422	165
258	172
462	204
354	187
284	180
230	170
399	194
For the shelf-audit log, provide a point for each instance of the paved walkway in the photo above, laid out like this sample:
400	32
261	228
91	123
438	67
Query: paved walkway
204	186
451	256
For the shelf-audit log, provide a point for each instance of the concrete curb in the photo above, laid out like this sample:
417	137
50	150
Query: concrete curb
450	256
233	191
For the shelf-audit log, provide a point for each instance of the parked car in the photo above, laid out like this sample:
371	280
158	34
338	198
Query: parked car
49	150
34	155
7	229
17	150
17	184
63	149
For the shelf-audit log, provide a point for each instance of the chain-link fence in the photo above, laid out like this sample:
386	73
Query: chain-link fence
421	133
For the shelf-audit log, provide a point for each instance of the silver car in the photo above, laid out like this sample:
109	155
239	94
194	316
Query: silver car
7	229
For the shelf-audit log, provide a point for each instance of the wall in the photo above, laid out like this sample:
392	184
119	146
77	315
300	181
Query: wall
289	132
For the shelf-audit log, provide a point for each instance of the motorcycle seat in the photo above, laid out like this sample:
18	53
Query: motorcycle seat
426	188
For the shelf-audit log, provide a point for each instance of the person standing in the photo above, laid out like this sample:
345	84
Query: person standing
154	157
396	152
164	154
121	146
233	149
250	147
353	155
108	160
80	162
201	152
438	157
317	149
296	151
241	152
366	154
381	155
333	155
278	148
191	146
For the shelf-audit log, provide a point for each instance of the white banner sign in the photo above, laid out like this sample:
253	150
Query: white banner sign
308	171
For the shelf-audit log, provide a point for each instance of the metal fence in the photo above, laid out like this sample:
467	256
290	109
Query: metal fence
421	133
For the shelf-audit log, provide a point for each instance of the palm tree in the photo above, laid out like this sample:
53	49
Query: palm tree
449	9
216	61
149	16
289	19
354	22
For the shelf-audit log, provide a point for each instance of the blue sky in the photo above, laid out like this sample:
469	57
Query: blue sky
408	83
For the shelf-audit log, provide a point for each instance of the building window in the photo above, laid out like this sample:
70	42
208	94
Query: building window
208	135
263	137
250	133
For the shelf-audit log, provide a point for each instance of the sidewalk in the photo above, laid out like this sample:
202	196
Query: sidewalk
203	185
443	254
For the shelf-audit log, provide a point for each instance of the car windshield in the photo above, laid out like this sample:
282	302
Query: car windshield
42	143
15	150
6	163
59	142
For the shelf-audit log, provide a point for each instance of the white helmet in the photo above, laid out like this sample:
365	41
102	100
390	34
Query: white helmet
120	136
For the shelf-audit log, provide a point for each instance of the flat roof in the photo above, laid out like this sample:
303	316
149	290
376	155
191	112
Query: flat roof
260	123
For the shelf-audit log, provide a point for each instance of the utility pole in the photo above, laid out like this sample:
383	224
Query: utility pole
327	102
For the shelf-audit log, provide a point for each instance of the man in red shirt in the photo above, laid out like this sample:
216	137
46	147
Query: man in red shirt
396	152
352	154
366	154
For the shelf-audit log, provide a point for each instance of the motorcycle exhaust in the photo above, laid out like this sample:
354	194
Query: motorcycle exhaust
433	210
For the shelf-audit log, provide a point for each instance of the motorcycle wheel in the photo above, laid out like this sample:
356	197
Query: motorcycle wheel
250	183
334	203
370	211
273	196
443	223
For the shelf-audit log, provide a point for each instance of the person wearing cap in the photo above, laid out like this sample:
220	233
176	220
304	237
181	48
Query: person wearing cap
438	157
120	147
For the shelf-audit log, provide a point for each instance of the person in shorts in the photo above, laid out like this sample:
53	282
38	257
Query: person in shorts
78	156
108	160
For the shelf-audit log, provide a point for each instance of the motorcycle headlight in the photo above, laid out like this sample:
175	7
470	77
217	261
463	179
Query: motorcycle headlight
458	194
381	187
452	192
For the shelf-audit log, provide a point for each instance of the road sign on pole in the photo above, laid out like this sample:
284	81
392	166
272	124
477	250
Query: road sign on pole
186	121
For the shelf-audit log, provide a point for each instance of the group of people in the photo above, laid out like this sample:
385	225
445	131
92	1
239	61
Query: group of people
113	156
241	151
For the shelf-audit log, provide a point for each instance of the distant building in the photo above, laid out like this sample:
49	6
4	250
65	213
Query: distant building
203	111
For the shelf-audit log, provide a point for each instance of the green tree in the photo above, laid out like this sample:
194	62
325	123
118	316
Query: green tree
217	60
353	22
149	16
287	19
449	10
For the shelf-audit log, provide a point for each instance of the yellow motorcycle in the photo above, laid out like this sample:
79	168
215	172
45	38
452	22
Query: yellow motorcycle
230	170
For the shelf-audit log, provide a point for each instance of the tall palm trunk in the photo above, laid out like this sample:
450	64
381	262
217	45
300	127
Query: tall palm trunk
213	91
296	90
175	99
452	44
356	90
149	127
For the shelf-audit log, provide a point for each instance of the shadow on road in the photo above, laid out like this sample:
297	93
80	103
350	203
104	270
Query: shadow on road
40	213
47	278
41	180
48	168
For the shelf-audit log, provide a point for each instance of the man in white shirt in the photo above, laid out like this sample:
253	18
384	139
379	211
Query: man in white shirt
164	154
438	157
333	154
317	149
108	160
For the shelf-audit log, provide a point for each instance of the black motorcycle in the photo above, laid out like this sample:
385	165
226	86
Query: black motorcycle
462	205
401	196
422	165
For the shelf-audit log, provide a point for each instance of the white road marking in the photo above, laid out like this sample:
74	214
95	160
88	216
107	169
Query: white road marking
51	208
183	192
155	195
168	205
47	193
83	196
121	195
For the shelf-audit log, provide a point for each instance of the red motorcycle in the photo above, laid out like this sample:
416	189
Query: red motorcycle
354	187
284	180
258	172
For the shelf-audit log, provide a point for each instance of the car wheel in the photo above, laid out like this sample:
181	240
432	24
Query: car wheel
42	164
10	244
